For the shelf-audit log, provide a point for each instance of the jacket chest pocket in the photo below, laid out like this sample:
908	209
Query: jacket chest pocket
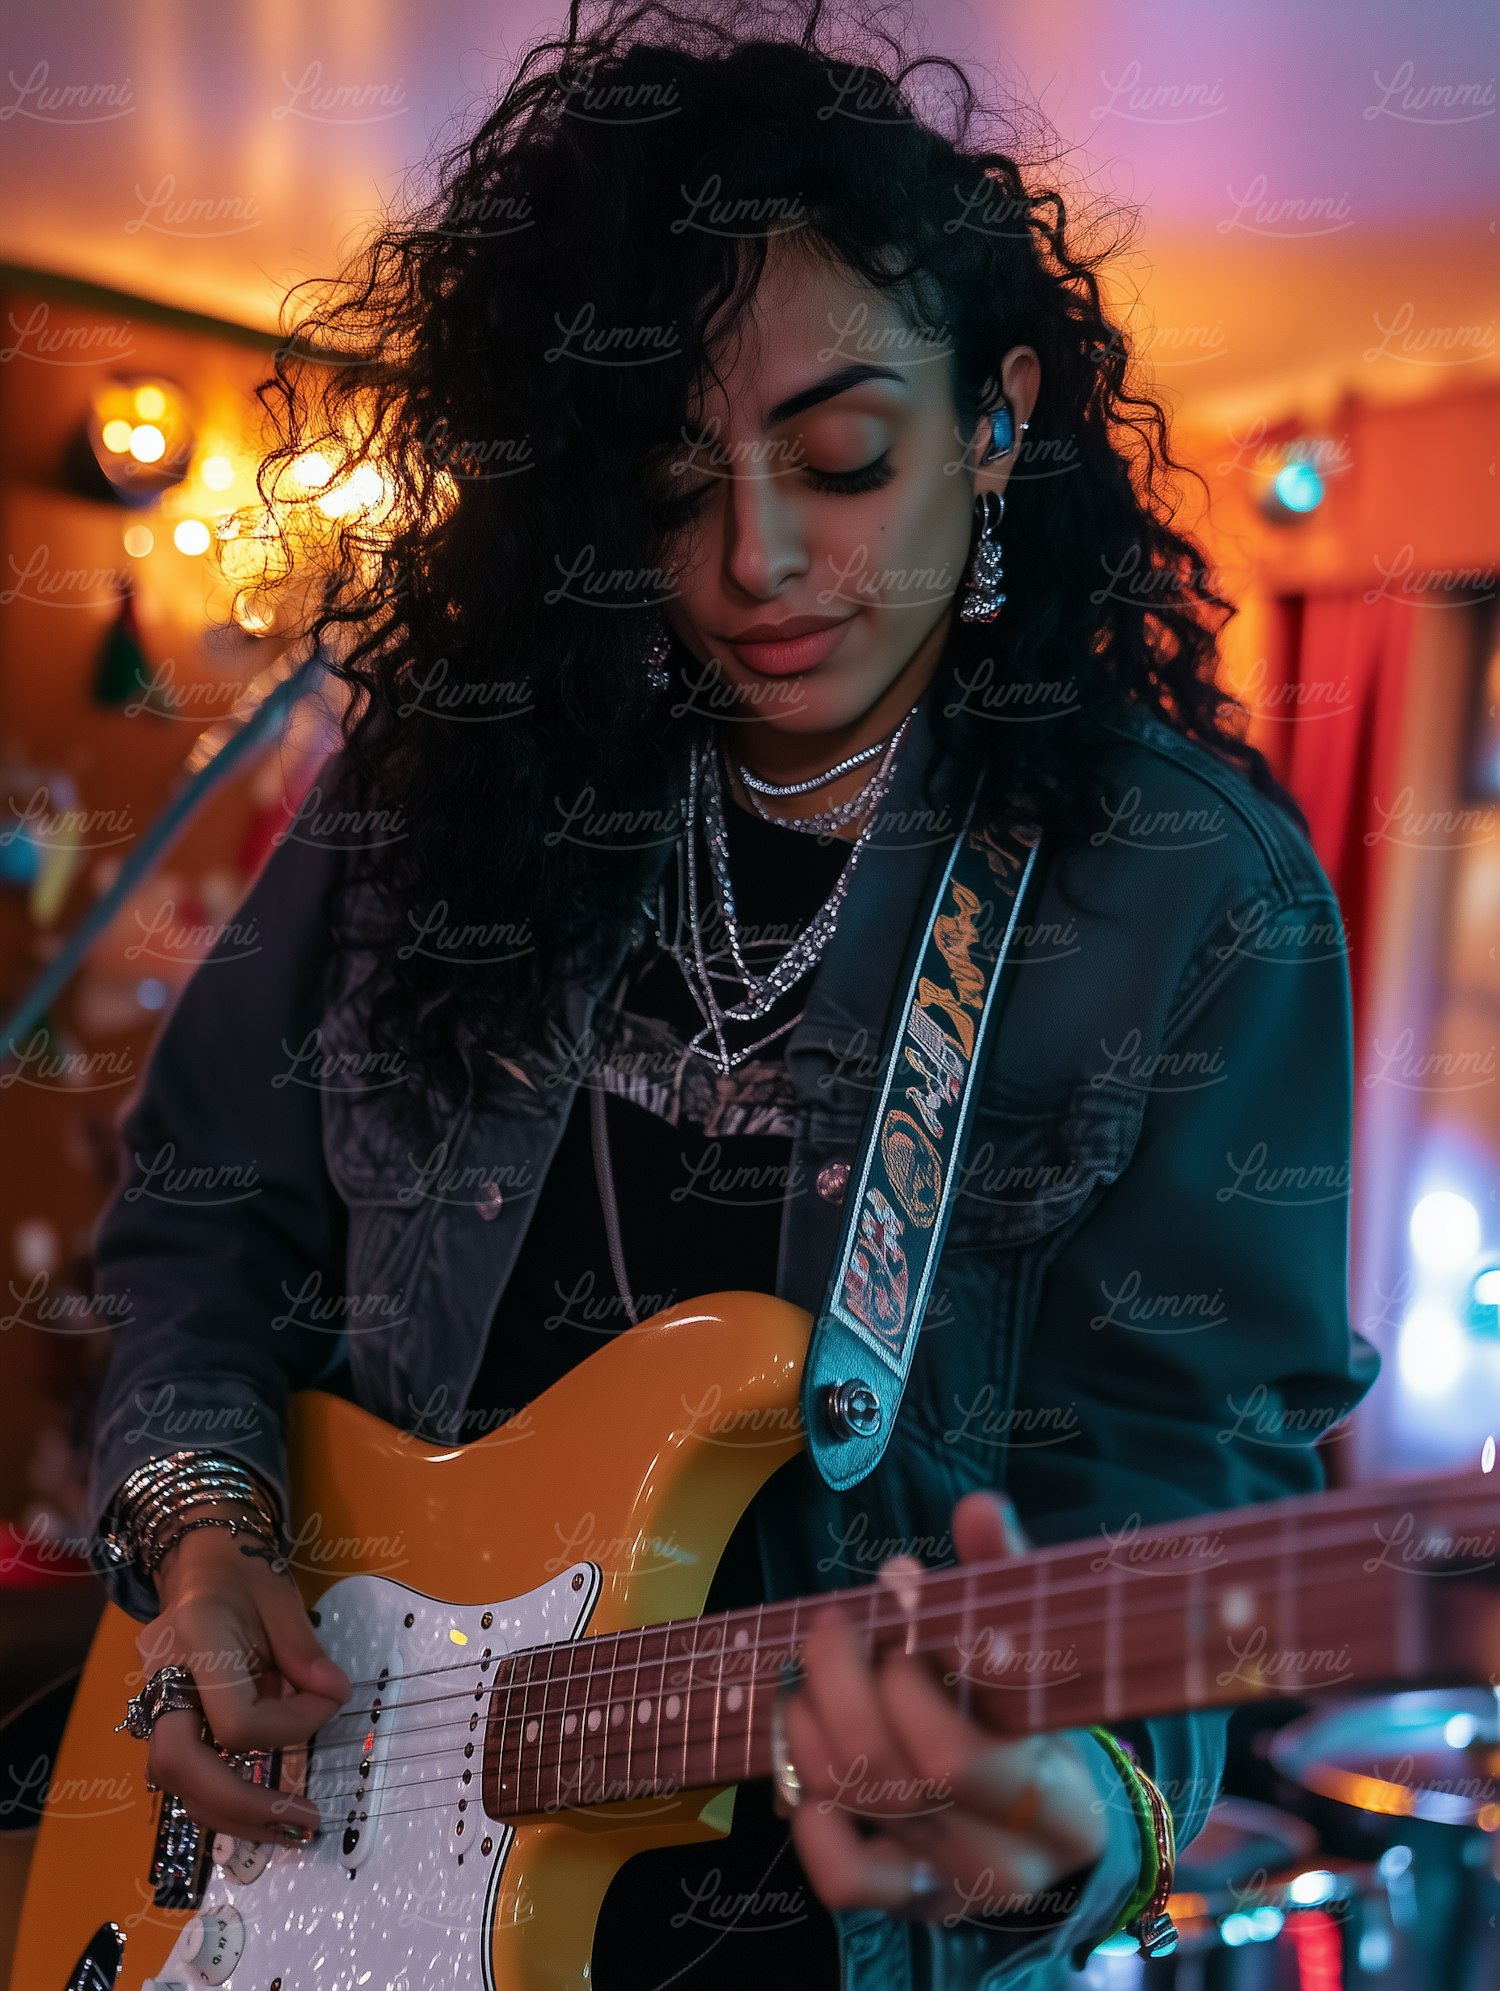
388	1172
1028	1166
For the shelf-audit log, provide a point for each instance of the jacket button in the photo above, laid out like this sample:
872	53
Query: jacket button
833	1180
489	1200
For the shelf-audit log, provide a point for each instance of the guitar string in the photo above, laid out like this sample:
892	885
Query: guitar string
1229	1571
734	1735
701	1714
729	1728
631	1792
1231	1520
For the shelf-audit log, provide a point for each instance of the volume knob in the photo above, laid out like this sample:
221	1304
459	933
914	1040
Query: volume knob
214	1942
241	1860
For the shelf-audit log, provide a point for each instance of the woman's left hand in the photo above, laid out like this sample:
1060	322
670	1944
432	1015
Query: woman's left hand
909	1804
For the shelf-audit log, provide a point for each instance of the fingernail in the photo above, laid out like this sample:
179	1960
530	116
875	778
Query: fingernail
297	1835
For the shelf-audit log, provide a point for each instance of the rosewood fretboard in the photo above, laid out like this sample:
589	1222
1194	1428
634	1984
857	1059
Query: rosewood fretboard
1291	1597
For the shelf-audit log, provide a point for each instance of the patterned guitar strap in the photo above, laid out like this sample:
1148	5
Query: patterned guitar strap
910	1153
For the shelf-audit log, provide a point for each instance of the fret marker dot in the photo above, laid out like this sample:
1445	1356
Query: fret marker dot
643	1711
674	1707
741	1637
616	1715
570	1722
594	1719
1237	1607
734	1699
533	1729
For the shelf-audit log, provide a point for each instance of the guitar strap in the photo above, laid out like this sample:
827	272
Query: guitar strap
901	1195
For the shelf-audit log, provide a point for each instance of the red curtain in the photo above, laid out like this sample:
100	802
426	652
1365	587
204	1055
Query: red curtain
1331	728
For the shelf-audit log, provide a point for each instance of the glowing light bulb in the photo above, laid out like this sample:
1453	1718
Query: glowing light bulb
116	437
312	469
1298	487
1431	1352
138	541
217	472
191	536
147	443
1445	1228
150	403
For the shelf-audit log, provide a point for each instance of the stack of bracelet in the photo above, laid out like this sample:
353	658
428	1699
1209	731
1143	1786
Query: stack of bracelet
1145	1917
167	1497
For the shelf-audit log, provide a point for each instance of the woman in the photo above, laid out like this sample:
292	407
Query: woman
702	392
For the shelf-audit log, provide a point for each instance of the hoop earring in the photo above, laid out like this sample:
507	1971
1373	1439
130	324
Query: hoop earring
983	598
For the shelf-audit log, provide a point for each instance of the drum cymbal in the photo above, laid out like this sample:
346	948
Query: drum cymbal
1433	1754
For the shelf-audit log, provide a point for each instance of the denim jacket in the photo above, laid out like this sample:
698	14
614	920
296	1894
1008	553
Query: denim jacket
1140	1312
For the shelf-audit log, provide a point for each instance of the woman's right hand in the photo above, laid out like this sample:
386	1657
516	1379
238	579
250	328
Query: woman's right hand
241	1629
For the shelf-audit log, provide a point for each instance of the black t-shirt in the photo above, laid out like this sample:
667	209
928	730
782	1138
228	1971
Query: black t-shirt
700	1164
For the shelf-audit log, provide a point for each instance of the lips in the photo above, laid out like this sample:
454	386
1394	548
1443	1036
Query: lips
801	643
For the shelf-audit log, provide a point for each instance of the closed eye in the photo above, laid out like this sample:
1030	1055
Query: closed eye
842	483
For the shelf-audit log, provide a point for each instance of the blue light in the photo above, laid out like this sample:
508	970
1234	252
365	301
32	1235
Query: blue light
151	993
1298	487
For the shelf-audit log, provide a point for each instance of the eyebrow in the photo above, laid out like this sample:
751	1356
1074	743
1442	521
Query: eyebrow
833	383
837	382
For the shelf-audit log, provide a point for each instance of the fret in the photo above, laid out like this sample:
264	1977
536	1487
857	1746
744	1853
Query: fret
966	1647
1288	1568
1036	1697
687	1704
652	1708
629	1716
716	1692
592	1720
509	1731
754	1670
570	1738
1192	1643
542	1740
1113	1636
531	1733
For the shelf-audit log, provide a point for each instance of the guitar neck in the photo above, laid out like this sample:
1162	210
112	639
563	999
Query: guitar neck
1292	1597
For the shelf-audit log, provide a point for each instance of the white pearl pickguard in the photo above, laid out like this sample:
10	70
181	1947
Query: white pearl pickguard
409	1903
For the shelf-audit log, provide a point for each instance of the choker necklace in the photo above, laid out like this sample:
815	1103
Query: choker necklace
838	814
701	968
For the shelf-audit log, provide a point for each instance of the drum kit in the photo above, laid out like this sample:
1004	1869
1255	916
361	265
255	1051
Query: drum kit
1378	1863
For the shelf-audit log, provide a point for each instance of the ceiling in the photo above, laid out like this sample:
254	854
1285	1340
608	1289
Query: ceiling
1318	184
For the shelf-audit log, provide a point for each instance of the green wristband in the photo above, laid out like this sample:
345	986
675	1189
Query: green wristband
1141	1805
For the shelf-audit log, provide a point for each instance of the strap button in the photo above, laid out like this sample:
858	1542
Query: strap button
832	1181
489	1201
853	1409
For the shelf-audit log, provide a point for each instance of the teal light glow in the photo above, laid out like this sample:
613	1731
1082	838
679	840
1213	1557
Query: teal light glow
1298	487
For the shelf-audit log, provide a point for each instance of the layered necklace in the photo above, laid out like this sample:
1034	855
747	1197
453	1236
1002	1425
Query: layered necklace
707	969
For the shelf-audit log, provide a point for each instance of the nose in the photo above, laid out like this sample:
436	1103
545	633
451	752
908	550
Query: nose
764	542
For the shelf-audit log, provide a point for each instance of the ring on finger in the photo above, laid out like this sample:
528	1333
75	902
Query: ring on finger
170	1690
783	1769
924	1882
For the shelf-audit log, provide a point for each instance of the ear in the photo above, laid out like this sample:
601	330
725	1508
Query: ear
1020	382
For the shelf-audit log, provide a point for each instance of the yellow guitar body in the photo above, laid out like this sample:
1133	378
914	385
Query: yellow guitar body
639	1461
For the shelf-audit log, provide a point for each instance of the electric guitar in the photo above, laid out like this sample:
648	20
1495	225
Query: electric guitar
536	1697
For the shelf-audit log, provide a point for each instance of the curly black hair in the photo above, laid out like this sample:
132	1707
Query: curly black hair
460	351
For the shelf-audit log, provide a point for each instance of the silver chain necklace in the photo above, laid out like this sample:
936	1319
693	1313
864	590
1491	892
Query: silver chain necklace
758	784
700	969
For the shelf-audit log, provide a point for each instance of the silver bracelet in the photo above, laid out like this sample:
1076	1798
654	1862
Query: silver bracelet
148	1513
237	1524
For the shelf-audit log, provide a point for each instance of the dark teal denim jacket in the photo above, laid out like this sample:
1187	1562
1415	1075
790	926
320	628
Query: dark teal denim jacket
1141	1306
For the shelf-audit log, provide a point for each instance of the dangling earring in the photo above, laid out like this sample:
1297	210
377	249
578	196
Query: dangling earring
655	659
983	599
